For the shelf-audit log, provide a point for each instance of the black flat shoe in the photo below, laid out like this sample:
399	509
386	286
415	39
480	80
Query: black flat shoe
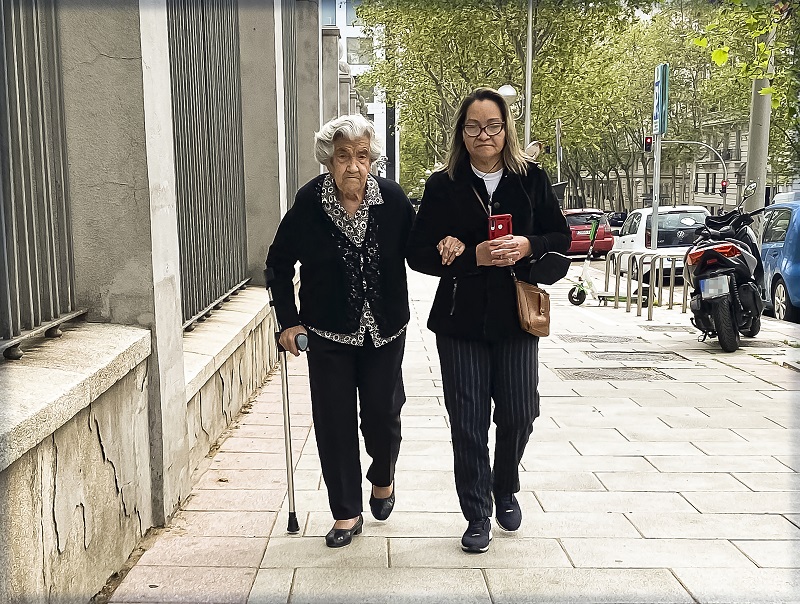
341	537
381	508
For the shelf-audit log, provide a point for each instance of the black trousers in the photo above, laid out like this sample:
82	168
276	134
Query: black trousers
337	373
474	373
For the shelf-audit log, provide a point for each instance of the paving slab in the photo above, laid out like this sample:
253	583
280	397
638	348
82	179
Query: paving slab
713	526
729	586
257	500
766	502
223	524
589	585
669	481
271	586
185	585
771	554
311	552
717	463
654	553
583	501
185	550
389	586
506	551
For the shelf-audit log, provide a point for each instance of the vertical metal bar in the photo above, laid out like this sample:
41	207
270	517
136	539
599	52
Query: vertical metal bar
47	269
9	307
58	137
23	193
241	222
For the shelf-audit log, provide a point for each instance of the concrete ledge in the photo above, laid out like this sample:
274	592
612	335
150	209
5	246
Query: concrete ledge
214	341
57	378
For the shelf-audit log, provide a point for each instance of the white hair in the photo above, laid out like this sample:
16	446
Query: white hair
348	127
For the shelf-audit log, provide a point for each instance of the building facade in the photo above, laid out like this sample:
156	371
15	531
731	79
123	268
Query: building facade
149	149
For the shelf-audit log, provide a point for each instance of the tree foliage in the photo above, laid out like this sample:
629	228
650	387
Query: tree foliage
593	65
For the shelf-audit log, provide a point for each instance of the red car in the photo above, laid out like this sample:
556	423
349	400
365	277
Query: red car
580	222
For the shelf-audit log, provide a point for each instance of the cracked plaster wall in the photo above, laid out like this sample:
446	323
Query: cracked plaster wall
78	503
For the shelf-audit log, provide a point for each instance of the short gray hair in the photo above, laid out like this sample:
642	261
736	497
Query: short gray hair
348	127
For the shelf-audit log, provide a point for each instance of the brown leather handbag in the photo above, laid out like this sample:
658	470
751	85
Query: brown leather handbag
533	308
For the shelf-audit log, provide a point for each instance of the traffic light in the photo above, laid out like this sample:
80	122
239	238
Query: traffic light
648	144
723	186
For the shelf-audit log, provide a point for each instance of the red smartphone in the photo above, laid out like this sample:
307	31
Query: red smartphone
499	225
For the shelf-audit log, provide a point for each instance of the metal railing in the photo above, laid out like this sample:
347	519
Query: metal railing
37	272
637	262
209	163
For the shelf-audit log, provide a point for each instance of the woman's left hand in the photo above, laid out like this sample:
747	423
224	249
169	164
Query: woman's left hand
509	249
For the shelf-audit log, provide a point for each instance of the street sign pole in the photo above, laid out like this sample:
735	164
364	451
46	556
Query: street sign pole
558	150
660	93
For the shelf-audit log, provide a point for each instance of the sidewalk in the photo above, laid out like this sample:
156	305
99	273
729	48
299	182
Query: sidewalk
660	470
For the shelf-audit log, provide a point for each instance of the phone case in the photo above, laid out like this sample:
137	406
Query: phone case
499	225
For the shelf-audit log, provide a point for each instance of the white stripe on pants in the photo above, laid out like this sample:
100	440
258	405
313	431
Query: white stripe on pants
473	374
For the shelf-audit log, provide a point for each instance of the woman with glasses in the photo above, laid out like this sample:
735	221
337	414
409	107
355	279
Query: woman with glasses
484	354
348	230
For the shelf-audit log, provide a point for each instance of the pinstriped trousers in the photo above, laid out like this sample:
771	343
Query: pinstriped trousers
473	374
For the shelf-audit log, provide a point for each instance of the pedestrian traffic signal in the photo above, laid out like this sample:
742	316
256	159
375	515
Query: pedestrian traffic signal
723	186
648	144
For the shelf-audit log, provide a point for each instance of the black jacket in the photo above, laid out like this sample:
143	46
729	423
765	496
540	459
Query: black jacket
479	302
335	275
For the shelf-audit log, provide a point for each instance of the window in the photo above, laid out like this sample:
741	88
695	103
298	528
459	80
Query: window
714	182
707	181
360	51
776	225
696	182
328	12
351	12
631	225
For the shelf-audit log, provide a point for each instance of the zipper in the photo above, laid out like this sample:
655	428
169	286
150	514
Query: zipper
453	303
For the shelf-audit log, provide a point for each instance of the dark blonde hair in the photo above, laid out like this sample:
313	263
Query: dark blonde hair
514	158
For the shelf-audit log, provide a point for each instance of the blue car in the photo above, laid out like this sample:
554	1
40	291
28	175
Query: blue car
780	253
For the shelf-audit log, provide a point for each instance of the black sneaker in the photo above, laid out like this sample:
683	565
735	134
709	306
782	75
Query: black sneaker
477	536
507	511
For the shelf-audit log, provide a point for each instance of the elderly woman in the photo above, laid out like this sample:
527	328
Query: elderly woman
348	230
484	353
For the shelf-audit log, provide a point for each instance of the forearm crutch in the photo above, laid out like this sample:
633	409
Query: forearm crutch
301	341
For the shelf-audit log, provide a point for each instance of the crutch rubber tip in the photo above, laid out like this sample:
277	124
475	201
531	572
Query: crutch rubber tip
293	527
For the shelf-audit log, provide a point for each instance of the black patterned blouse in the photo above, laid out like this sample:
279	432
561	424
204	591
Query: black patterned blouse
355	229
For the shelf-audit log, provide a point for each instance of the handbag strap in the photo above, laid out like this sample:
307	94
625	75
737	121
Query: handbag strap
484	207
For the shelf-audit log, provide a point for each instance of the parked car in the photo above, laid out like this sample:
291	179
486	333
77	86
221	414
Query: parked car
580	222
780	253
676	232
617	219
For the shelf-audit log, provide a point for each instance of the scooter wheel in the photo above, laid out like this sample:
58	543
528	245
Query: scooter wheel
576	296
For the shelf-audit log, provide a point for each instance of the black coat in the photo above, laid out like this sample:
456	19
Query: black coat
333	286
479	302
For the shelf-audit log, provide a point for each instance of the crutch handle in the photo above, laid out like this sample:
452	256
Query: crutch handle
301	341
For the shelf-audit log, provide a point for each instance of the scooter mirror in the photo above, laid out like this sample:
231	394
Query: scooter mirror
749	189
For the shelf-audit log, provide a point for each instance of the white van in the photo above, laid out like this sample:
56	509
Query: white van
788	196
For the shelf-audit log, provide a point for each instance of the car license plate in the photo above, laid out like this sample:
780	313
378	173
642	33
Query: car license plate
583	232
714	287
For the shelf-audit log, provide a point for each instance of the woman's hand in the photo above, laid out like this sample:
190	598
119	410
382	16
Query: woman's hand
503	251
288	336
450	248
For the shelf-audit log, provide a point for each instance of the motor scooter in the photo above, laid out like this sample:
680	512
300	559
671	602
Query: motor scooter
724	268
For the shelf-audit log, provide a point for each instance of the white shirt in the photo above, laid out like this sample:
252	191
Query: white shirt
491	179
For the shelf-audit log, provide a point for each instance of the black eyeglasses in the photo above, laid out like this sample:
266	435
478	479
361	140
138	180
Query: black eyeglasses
474	130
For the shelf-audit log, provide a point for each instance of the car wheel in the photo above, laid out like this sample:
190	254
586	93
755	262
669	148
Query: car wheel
784	309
